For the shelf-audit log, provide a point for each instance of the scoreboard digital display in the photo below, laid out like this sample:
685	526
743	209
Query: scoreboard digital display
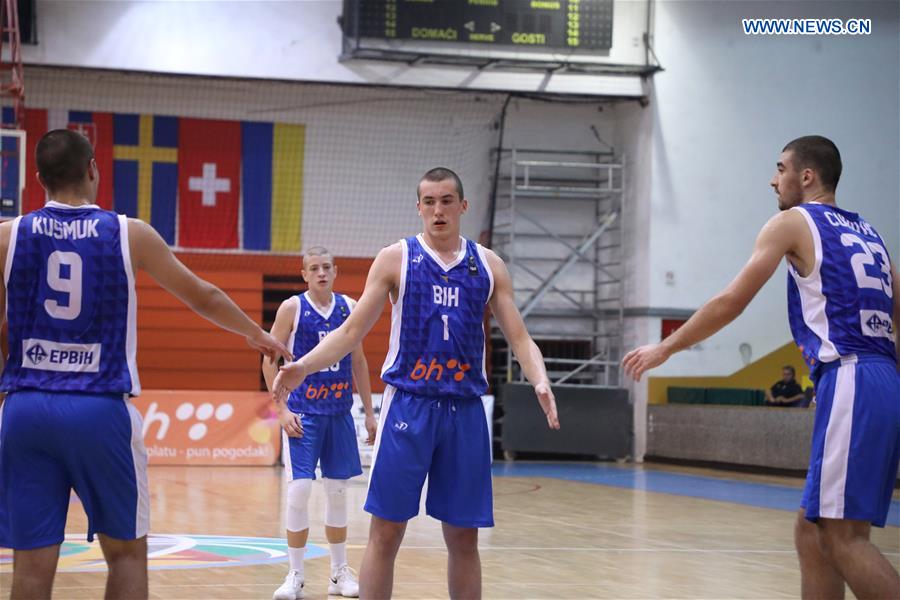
537	24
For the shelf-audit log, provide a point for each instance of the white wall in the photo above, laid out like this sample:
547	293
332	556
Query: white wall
282	39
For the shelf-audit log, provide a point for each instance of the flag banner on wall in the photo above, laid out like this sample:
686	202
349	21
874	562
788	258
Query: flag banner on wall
201	183
270	154
145	170
209	182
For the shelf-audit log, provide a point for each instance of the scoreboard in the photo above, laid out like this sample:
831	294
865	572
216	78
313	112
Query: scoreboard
535	24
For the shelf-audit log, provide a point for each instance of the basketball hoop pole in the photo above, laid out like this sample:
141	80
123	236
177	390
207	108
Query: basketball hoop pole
13	84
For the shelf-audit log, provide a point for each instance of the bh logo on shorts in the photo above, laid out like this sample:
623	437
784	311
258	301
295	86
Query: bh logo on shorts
185	411
435	370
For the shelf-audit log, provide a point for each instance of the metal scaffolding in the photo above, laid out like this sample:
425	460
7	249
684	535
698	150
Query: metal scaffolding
557	225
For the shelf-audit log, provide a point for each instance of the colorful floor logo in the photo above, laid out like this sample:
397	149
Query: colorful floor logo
169	551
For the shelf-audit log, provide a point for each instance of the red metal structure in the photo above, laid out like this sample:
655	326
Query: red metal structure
12	80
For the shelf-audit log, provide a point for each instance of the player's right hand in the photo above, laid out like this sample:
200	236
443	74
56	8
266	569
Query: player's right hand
291	423
289	377
269	346
640	360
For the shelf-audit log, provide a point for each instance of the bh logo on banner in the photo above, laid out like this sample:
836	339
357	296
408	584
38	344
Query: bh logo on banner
209	428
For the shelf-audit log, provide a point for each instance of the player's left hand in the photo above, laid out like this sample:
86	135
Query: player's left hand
642	359
548	403
289	377
371	428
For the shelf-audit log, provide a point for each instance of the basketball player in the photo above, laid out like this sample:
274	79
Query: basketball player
317	422
68	293
843	312
432	419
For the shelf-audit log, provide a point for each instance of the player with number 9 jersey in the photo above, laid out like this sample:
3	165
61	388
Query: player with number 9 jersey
67	422
70	302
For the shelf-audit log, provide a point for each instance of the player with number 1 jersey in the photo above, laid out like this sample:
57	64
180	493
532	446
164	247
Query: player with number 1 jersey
432	419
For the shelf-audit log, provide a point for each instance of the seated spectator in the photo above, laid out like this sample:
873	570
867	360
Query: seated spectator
786	392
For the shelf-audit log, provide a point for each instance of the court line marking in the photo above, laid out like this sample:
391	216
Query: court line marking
642	540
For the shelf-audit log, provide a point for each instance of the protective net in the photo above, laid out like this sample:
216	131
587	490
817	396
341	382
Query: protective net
239	176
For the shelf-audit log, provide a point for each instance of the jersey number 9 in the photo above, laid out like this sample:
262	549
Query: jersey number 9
70	285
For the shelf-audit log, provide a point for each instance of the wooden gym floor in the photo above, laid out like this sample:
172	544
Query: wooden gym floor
563	531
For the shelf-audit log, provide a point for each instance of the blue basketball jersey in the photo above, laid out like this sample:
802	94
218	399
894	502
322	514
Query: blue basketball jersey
71	303
845	305
330	391
437	323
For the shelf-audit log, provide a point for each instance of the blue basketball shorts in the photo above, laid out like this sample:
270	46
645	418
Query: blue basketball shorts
856	441
443	439
327	439
54	442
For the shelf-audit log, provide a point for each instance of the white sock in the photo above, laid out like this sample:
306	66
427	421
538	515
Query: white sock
296	558
338	555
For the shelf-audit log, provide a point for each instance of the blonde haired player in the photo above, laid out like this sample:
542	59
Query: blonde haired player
317	423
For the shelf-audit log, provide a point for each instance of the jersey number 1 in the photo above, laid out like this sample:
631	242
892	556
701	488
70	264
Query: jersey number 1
70	285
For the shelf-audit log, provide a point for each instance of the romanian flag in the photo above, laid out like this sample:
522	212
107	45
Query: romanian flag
272	159
96	126
145	170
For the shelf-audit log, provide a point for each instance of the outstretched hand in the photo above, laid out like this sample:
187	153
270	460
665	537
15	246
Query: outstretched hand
548	403
269	346
642	359
289	377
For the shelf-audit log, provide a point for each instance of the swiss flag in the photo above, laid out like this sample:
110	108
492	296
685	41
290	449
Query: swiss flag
209	180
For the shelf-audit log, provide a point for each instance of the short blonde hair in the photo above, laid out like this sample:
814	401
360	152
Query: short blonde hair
316	251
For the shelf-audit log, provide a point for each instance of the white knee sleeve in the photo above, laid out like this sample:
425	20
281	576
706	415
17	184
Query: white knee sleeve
335	502
296	516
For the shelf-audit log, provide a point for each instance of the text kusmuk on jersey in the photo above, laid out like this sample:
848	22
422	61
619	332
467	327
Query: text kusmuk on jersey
74	230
